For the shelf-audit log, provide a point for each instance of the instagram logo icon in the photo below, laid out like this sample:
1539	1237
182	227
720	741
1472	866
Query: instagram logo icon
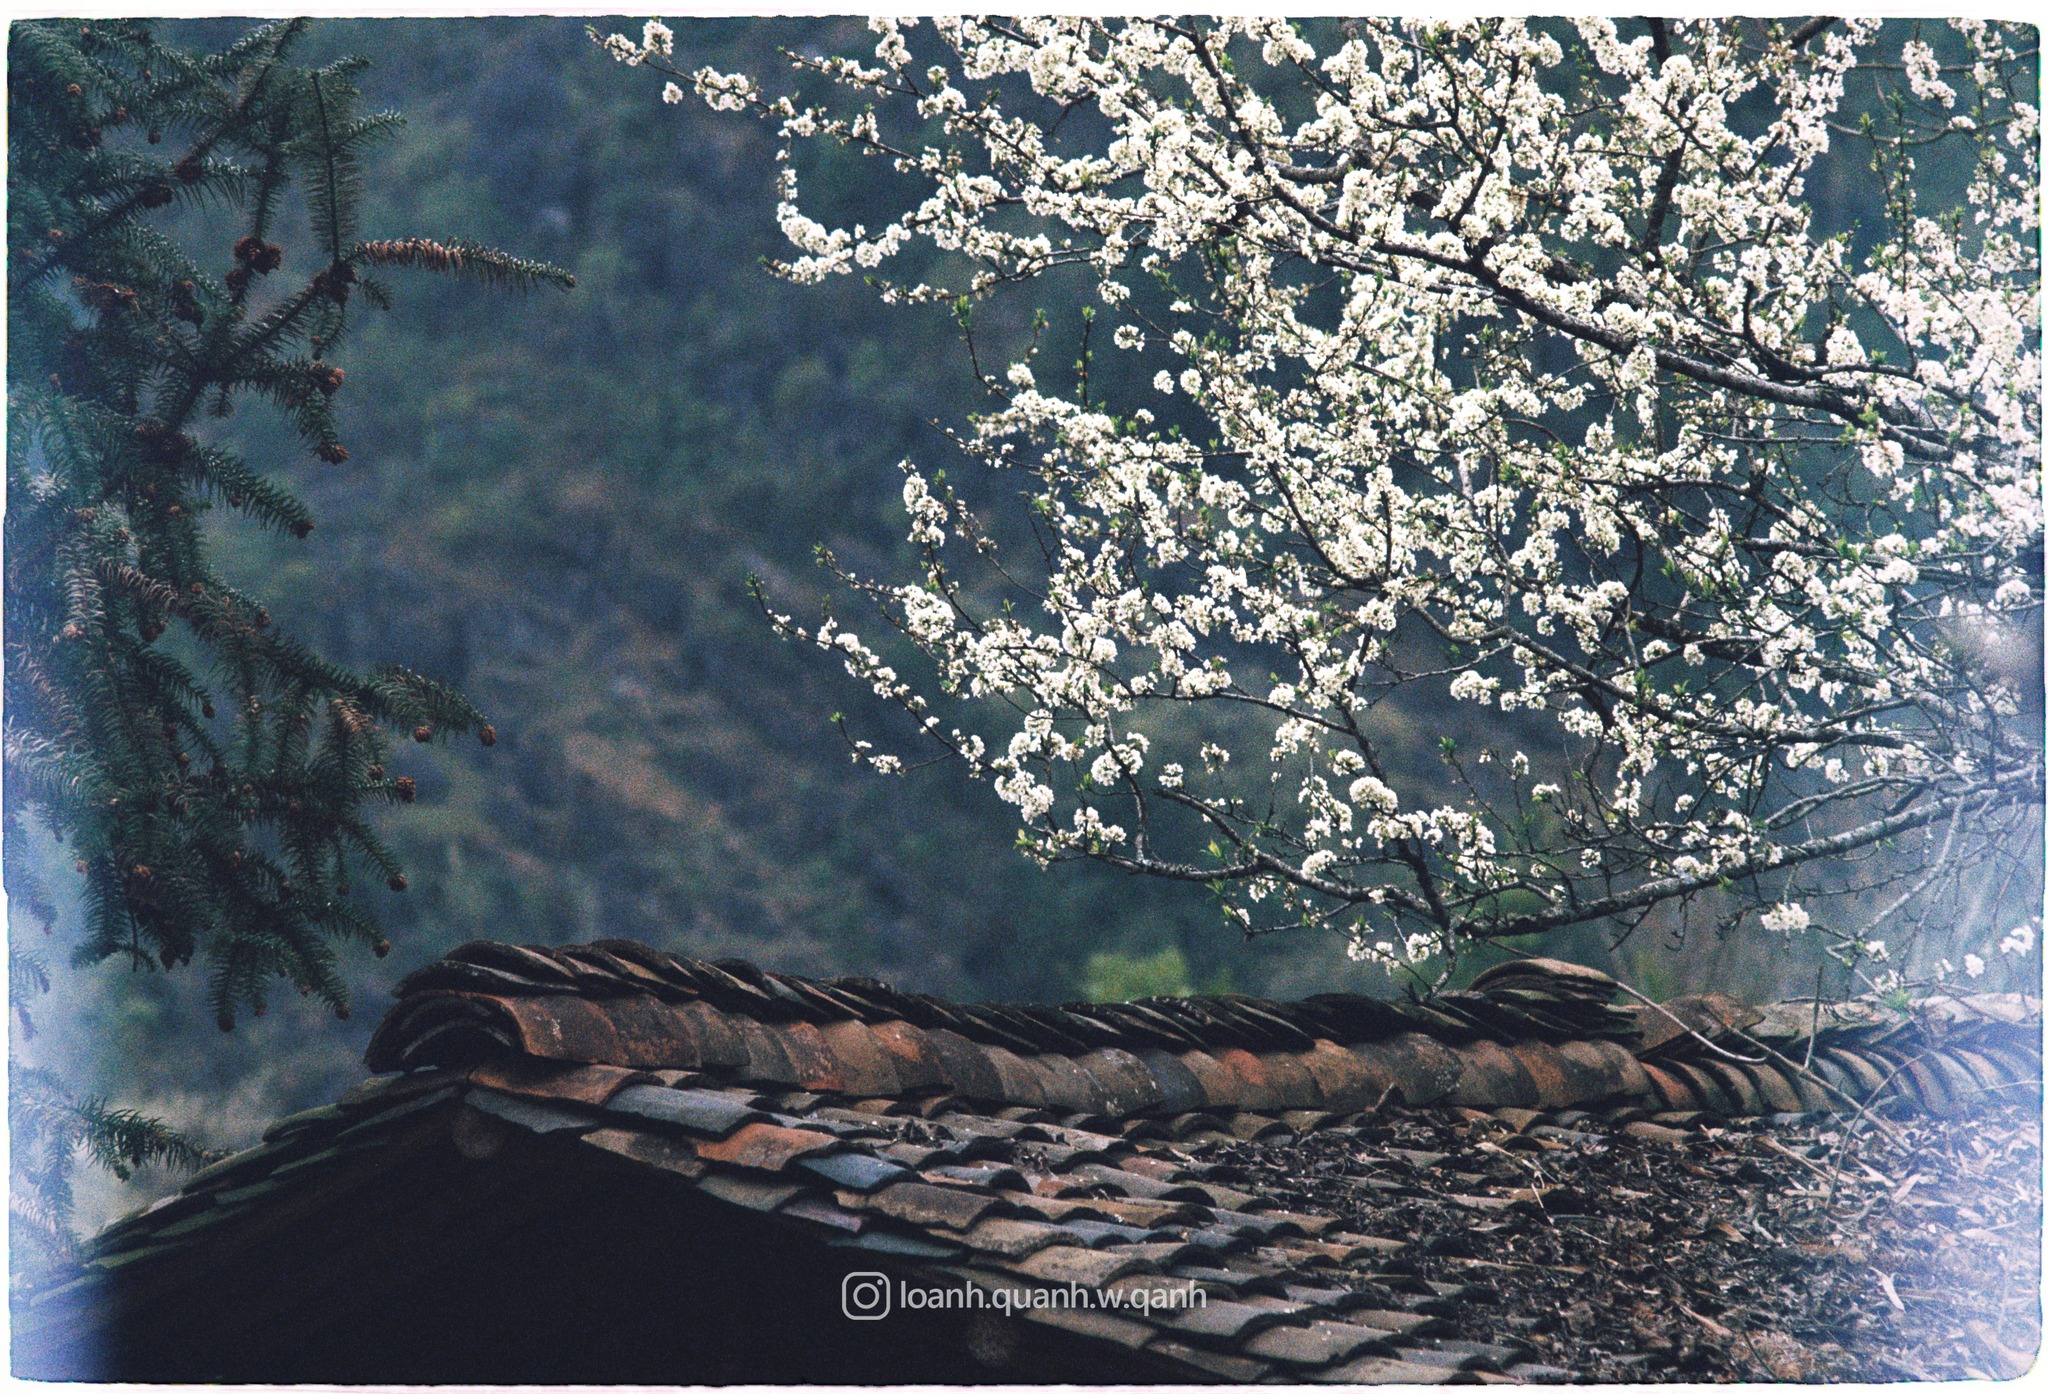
864	1296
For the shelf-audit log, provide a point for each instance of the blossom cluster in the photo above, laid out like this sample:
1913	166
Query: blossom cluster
1506	363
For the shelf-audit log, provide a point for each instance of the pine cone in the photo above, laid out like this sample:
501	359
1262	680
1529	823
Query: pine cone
259	256
185	303
160	444
335	281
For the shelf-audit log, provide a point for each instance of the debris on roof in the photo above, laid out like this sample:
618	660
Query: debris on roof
1524	1180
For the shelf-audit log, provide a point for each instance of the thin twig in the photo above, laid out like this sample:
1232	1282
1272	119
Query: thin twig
1724	1053
1887	1129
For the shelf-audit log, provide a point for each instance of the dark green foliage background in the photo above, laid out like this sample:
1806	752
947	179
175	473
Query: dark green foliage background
554	504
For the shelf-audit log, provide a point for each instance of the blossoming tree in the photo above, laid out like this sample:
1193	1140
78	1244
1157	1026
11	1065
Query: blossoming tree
1495	363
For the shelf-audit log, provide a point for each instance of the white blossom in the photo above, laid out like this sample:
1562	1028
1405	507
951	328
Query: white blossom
1504	362
1784	918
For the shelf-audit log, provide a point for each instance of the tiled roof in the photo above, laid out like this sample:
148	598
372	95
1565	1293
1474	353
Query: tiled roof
1533	1033
1020	1148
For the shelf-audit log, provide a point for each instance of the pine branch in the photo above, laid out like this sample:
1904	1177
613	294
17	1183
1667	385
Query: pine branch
215	809
459	258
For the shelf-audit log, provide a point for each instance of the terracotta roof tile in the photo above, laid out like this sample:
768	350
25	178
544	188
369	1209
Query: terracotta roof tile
1424	1069
1737	1087
1318	1343
1096	1326
1072	1263
856	1171
765	1146
897	1245
1706	1088
927	1206
1102	1234
754	1193
1128	1084
526	1113
1218	1086
863	1067
706	1111
648	1149
1493	1076
1012	1238
1777	1090
1927	1087
768	1059
1373	1369
1236	1368
550	1079
996	1177
1672	1091
1223	1321
1254	1126
1607	1068
813	1066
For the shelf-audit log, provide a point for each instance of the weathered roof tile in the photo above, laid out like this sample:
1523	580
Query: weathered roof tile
856	1171
1012	1238
554	1079
1072	1263
923	1205
755	1193
1223	1320
526	1113
1098	1234
896	1245
648	1149
863	1066
765	1146
1376	1369
1096	1326
1236	1368
700	1110
1318	1343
